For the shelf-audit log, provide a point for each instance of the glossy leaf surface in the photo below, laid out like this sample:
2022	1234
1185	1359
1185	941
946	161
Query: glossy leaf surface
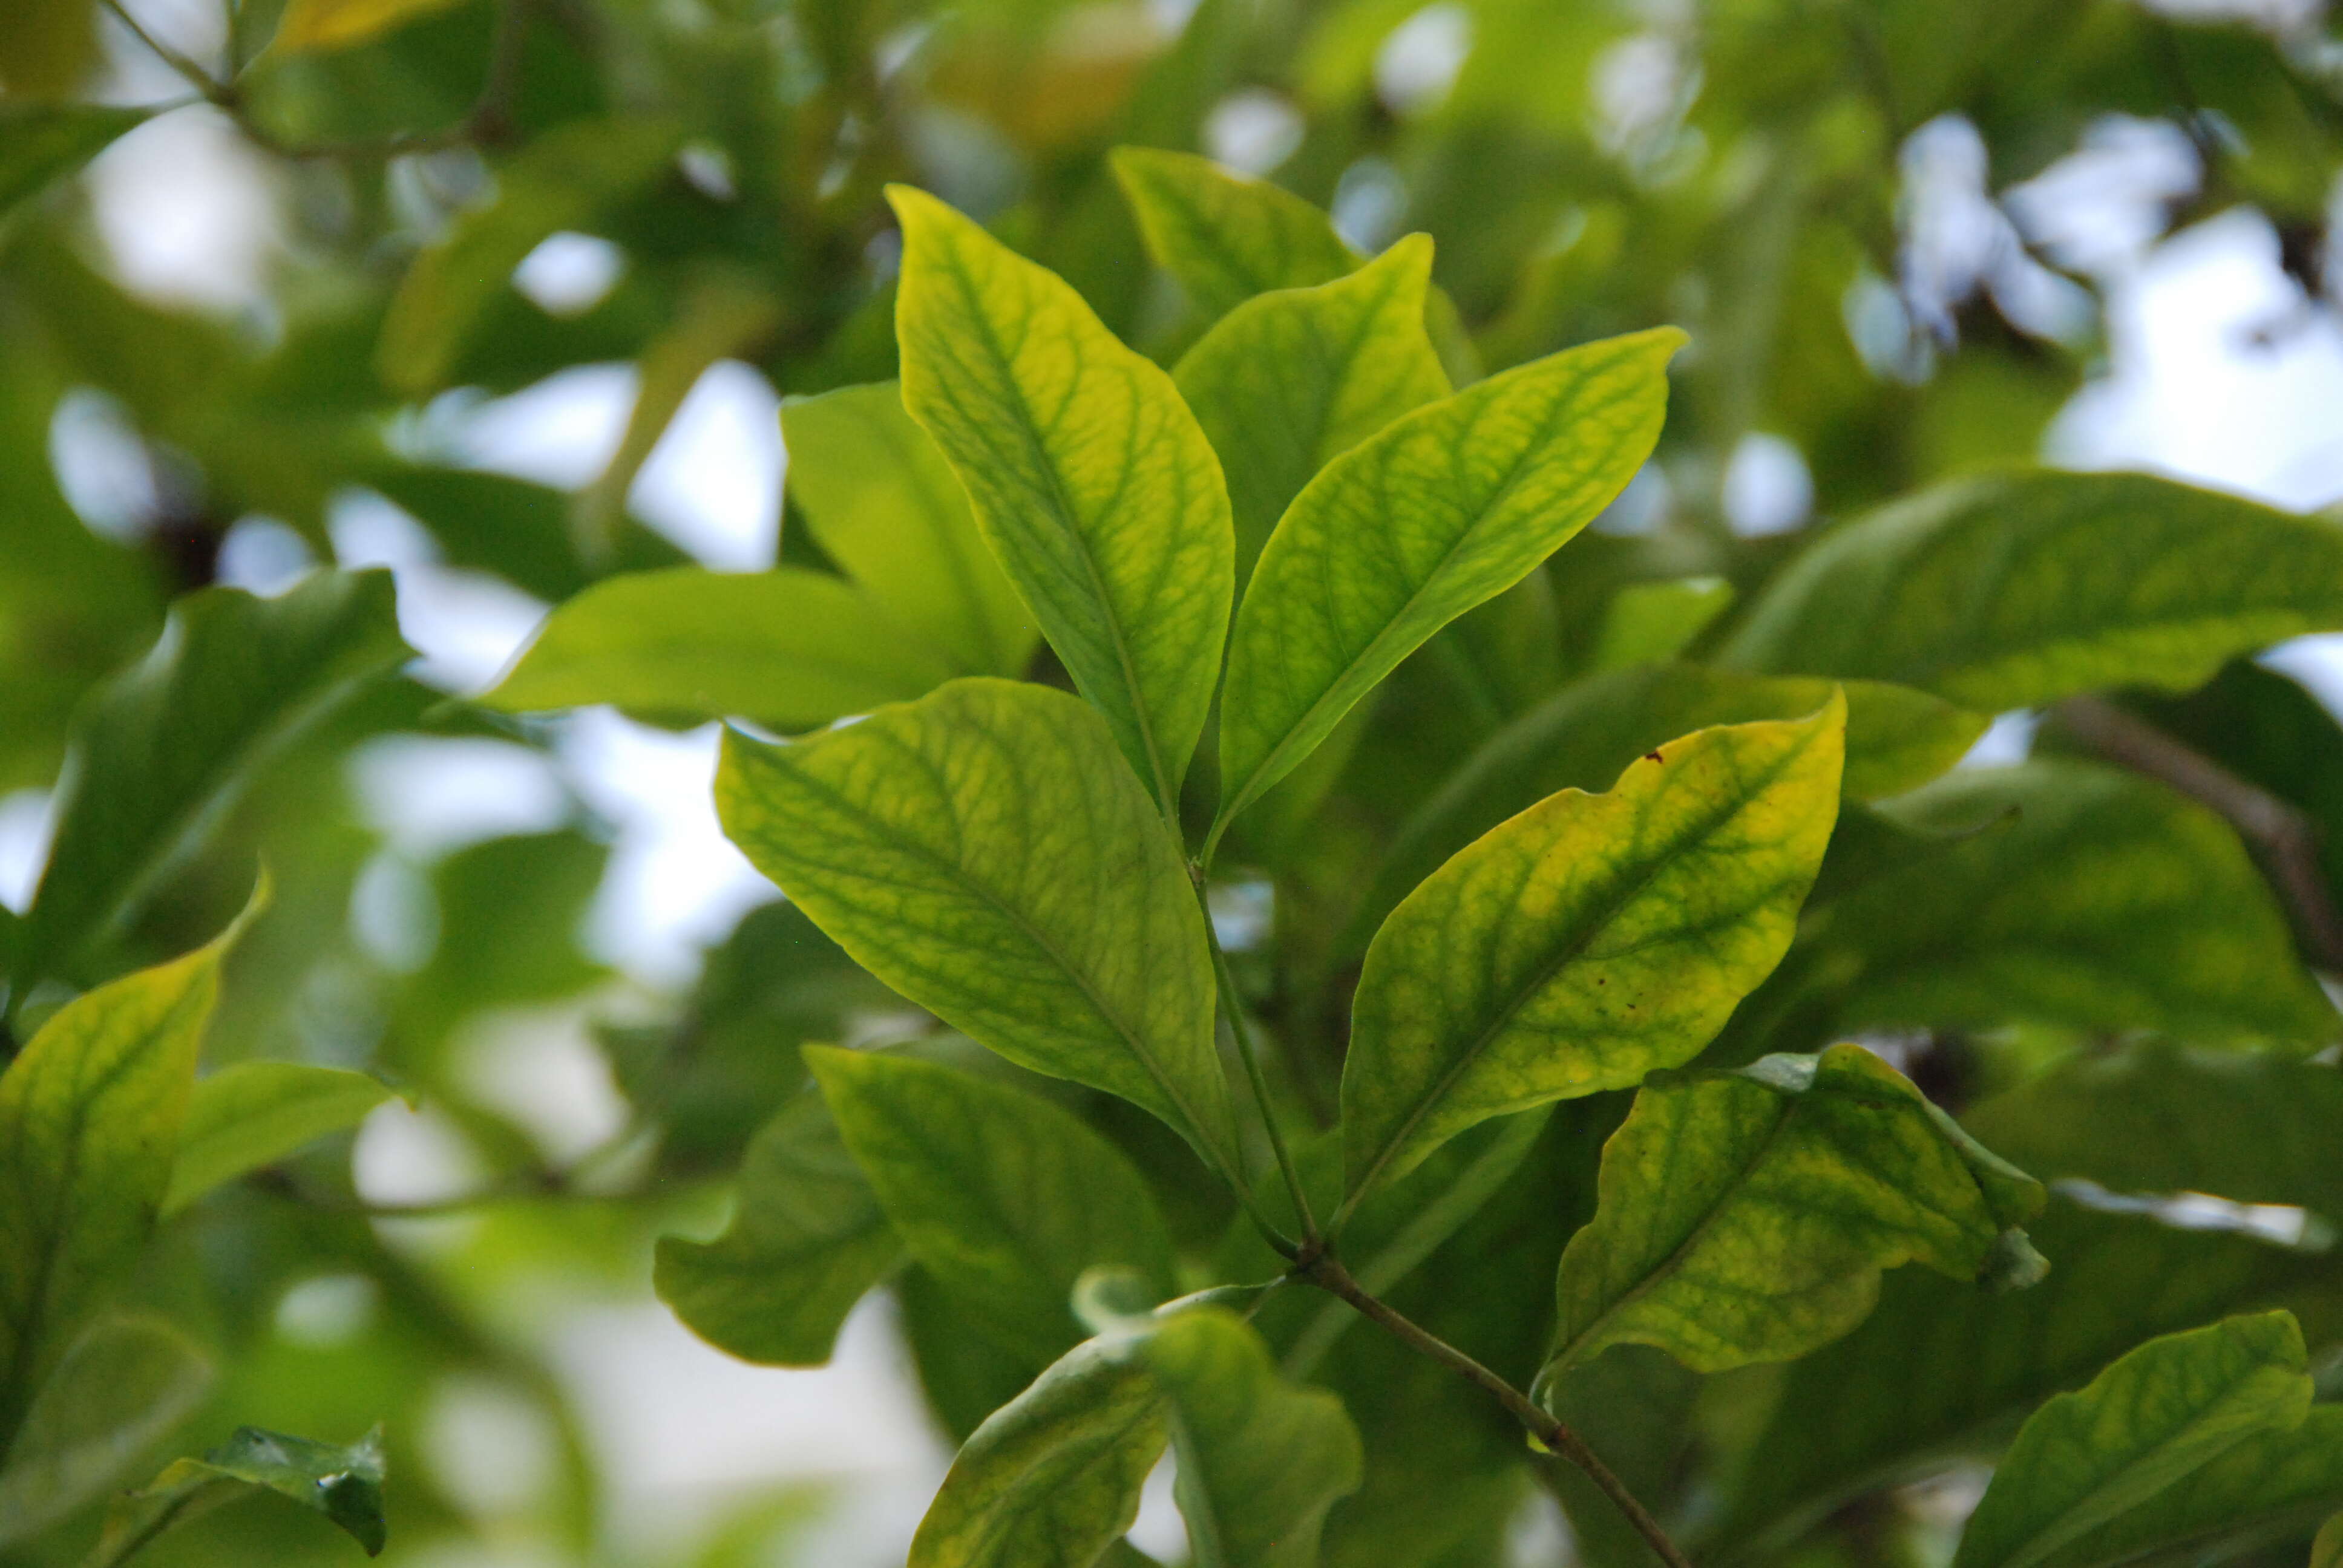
808	1237
1446	508
345	1484
2021	588
164	750
981	851
884	504
791	649
1052	1480
1089	476
1746	1216
1005	1198
2142	1425
1288	381
1260	1459
1588	941
250	1114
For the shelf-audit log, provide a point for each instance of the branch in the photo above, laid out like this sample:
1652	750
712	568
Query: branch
2283	841
1322	1270
1234	1006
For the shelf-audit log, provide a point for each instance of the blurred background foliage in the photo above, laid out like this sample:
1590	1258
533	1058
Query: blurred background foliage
1876	218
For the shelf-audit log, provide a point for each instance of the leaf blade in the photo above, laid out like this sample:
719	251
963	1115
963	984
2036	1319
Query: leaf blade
253	1113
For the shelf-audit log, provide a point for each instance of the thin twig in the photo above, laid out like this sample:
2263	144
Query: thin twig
212	88
1234	1006
1324	1272
2283	841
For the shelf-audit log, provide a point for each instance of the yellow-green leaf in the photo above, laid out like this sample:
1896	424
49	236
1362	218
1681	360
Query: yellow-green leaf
1260	1459
2146	1423
1589	941
1645	622
1290	380
2274	1482
1005	1198
252	1114
565	179
1447	507
791	649
1746	1216
1223	236
1089	476
1051	1479
983	852
90	1115
2014	590
2327	1551
808	1237
880	500
316	26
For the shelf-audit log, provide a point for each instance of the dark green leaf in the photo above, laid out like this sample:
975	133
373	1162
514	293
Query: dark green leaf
253	1113
1746	1216
44	142
1288	381
1445	509
884	504
1648	622
791	649
2020	588
1588	941
808	1237
520	531
345	1484
162	752
1005	1198
90	1113
2142	1425
981	851
1090	478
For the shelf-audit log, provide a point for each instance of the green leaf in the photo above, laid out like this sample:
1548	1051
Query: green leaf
120	1390
90	1113
163	752
40	143
1089	476
2327	1550
981	852
345	1484
2271	1484
1005	1198
1588	941
1746	1216
1447	507
2145	1423
253	1113
791	649
1584	736
1225	237
1051	1479
565	179
808	1237
2020	588
883	504
518	530
1288	381
1648	622
1260	1459
2109	903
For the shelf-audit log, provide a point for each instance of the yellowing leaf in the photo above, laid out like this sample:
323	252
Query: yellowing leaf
316	26
1746	1216
2144	1425
1090	478
2020	588
1447	507
789	648
983	852
1288	381
90	1113
880	500
1589	941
